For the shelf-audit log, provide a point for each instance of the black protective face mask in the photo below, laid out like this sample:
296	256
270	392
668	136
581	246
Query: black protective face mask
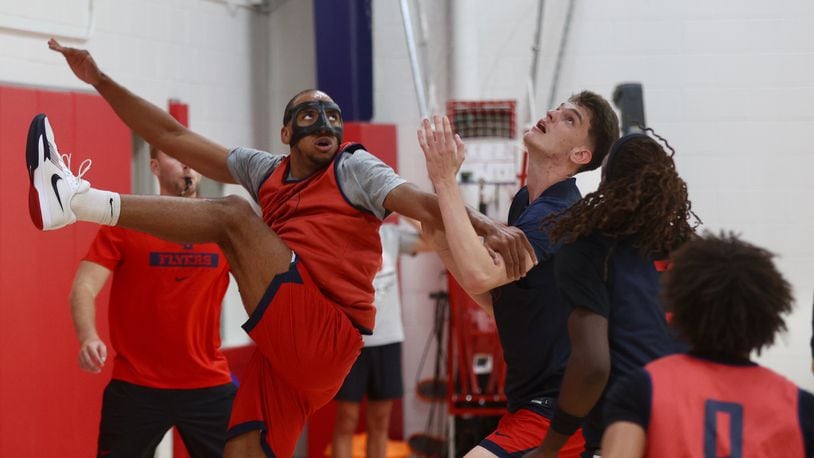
313	117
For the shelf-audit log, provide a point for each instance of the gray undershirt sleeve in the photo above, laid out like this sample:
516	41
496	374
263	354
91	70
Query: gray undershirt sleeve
251	167
366	181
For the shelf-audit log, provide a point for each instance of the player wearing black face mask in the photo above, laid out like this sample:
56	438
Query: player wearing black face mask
304	270
314	117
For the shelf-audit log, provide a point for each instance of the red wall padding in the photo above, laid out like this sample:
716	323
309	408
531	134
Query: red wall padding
379	139
48	406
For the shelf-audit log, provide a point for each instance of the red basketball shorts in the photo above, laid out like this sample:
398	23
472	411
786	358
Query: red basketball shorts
305	347
519	432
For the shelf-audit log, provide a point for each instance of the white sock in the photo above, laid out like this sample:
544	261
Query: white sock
97	206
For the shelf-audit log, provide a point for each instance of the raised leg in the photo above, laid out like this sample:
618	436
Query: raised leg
255	253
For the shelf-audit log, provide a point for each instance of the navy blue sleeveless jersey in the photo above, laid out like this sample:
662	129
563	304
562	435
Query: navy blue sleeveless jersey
531	318
610	278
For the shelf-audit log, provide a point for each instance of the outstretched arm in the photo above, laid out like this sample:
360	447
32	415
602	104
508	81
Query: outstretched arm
89	280
508	246
437	240
478	273
153	124
510	242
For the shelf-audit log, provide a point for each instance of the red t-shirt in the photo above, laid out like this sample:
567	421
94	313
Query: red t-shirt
165	304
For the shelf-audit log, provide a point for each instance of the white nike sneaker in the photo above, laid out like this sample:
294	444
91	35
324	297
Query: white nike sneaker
52	185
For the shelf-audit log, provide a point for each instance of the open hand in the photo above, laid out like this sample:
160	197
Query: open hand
443	150
80	61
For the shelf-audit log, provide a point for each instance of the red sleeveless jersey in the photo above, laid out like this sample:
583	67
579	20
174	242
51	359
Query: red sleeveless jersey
338	243
705	409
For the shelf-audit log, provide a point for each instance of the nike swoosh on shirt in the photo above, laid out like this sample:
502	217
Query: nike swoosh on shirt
54	179
180	278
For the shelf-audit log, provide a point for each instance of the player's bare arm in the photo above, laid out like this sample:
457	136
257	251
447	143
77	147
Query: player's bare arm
444	153
437	240
153	124
89	280
586	373
512	246
623	439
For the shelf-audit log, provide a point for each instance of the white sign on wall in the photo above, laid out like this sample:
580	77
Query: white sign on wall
52	18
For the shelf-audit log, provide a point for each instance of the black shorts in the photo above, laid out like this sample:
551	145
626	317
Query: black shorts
135	419
376	373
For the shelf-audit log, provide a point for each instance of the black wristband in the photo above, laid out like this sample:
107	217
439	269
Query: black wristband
564	423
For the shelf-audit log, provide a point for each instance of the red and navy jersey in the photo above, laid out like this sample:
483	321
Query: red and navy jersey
337	242
529	312
698	407
165	305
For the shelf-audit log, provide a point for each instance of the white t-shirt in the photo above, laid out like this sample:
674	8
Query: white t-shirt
396	240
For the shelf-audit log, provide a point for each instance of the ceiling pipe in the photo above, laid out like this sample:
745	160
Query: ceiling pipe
535	59
415	63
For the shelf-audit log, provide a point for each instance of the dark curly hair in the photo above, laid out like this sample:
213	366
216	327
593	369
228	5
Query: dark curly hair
640	195
727	296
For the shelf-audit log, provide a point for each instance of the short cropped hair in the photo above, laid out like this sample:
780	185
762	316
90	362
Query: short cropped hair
290	104
604	128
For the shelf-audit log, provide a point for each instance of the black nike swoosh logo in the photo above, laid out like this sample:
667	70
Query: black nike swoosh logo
111	207
54	179
498	433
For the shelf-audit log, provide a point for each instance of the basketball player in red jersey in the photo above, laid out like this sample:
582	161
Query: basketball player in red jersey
728	300
165	304
306	283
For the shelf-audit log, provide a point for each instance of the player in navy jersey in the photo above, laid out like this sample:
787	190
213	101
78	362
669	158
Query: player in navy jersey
530	317
607	277
729	300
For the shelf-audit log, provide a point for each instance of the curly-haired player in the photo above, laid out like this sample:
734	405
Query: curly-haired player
728	299
608	276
